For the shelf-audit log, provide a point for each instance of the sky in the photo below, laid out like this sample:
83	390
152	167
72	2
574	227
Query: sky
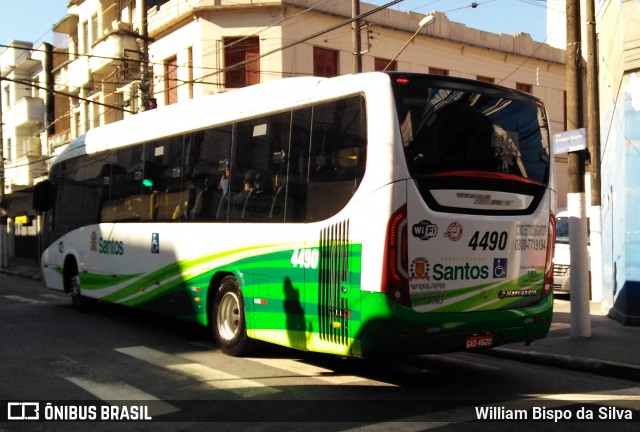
32	20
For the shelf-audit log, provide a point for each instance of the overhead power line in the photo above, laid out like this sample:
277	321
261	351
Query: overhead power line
62	93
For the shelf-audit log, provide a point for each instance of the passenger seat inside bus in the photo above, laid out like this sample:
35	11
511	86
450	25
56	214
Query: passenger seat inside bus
257	203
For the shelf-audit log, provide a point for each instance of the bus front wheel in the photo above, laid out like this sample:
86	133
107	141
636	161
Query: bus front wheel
229	323
79	301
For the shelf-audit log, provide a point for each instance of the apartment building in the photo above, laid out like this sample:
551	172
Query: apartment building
114	58
26	75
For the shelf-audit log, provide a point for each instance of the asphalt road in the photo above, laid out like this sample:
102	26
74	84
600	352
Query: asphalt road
121	359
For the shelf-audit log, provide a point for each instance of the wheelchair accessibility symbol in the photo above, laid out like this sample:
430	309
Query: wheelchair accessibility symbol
499	268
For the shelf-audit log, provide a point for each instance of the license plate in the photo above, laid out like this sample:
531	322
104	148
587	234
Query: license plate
478	341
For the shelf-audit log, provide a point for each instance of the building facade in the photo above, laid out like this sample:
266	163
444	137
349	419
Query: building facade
114	58
619	66
26	118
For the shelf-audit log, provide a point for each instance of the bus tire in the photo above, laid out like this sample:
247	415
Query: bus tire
229	322
72	285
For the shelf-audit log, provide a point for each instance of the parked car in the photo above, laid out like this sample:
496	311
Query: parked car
562	254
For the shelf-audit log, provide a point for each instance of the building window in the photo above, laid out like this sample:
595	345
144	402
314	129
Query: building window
438	71
485	79
77	121
527	88
171	81
95	111
125	10
35	88
9	149
325	62
85	37
379	64
86	116
118	100
6	98
240	51
95	29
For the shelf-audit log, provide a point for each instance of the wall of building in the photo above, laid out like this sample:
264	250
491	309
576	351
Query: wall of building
462	51
619	63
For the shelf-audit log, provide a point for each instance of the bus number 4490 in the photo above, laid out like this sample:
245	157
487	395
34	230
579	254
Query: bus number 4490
491	240
305	258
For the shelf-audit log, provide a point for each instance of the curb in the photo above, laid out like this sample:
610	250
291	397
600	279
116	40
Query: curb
601	367
21	274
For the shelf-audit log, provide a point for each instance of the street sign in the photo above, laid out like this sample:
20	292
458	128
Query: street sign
569	141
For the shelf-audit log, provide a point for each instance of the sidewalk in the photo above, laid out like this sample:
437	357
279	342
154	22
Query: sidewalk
612	350
23	267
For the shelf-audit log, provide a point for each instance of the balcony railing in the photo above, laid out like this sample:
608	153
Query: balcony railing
27	111
59	139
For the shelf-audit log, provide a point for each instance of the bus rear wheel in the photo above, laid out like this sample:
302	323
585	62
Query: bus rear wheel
229	323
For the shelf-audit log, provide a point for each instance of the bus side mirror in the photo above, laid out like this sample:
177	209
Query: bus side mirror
44	196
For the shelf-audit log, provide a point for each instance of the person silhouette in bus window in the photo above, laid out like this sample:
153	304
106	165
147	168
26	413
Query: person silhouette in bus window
239	199
224	181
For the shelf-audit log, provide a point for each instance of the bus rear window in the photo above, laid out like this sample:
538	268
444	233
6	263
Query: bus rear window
473	127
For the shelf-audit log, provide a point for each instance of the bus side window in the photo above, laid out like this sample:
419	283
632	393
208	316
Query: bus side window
126	198
295	201
163	165
207	164
257	141
337	156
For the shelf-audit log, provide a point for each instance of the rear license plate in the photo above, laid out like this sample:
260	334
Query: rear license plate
478	341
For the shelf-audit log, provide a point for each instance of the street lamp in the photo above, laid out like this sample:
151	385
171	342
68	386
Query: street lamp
429	19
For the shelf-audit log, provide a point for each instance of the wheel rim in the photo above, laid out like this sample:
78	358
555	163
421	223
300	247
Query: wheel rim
228	316
74	285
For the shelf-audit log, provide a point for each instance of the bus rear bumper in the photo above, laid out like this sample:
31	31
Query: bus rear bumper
399	330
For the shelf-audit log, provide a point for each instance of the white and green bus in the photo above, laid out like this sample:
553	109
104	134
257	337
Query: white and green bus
371	214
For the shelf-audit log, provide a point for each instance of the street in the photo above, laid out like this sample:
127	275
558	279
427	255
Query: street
53	353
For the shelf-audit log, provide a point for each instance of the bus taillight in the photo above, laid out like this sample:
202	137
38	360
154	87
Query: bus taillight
547	286
394	278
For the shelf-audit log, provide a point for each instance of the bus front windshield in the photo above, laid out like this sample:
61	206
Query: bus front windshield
471	128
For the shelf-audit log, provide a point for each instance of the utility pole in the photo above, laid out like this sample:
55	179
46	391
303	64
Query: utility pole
145	100
576	201
357	42
4	245
593	143
49	99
